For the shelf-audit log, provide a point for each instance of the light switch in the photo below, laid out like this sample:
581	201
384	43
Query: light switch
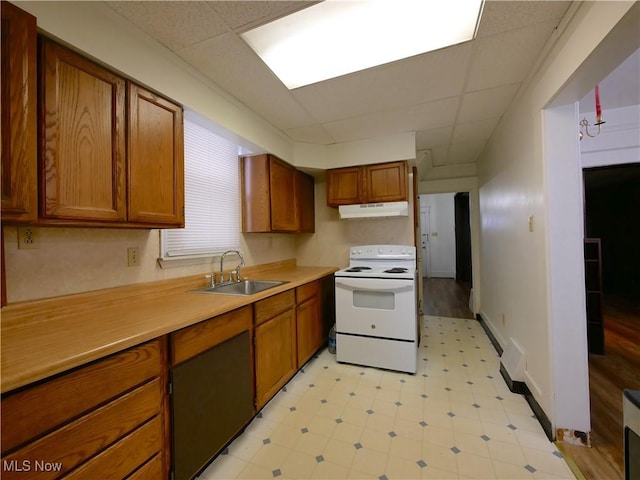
531	223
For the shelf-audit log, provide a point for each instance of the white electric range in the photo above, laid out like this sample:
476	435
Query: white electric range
376	308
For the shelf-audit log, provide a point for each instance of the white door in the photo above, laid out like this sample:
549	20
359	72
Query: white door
425	234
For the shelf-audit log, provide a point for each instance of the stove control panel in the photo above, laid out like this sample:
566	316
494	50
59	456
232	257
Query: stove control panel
383	251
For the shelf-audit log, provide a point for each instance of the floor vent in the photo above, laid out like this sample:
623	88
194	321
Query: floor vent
514	360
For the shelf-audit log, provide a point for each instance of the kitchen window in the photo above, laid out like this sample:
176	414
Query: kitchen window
212	197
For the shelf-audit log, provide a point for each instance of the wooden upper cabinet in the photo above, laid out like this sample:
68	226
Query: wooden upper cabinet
19	115
305	194
82	151
155	159
383	182
345	186
276	197
282	186
111	152
386	182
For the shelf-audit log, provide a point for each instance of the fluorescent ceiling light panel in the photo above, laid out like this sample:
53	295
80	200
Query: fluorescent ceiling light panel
336	37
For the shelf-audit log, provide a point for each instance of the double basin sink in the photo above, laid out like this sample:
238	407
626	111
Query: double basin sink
244	287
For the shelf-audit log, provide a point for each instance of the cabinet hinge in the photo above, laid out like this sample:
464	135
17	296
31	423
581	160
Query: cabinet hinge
170	388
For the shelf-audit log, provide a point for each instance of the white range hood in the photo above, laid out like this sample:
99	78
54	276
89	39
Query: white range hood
374	210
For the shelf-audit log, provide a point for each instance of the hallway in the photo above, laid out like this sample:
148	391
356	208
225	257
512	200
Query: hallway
446	297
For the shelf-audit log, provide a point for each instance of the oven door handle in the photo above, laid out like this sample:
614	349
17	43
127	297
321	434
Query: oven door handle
374	284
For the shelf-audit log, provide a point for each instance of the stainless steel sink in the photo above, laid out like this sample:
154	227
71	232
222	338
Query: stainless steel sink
246	287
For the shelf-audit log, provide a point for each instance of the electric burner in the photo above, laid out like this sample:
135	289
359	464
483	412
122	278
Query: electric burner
357	269
396	270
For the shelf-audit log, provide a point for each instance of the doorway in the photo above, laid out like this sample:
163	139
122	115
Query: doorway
445	224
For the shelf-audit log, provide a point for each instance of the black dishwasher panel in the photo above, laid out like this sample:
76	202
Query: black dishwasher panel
211	401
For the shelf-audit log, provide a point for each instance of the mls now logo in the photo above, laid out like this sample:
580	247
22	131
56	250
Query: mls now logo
29	466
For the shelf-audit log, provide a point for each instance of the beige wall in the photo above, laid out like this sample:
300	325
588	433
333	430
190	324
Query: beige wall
72	260
329	246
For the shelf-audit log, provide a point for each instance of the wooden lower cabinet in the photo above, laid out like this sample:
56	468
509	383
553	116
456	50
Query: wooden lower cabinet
308	321
275	344
106	419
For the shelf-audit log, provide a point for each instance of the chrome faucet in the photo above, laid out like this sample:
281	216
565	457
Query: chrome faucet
237	268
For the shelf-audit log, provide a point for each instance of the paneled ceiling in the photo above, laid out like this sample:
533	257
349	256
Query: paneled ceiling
452	98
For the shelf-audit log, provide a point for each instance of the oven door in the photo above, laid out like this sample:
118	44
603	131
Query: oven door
376	307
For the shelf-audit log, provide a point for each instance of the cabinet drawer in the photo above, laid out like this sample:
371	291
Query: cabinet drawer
125	456
190	341
81	439
272	306
152	470
304	292
36	410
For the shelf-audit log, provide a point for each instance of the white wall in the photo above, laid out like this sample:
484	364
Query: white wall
442	241
518	284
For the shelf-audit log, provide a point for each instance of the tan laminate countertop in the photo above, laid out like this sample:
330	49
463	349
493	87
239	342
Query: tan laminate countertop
45	337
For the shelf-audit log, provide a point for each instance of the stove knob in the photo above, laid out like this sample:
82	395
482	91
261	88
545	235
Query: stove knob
380	250
359	252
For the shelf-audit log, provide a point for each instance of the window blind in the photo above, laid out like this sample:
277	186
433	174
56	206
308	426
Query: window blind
212	198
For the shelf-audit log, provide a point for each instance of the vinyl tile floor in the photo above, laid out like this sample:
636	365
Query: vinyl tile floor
455	418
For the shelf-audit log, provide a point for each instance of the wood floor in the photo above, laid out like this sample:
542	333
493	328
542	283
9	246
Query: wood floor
609	375
446	297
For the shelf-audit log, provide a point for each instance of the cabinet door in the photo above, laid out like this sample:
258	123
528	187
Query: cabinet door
256	203
386	182
19	106
309	331
284	205
344	186
82	157
156	160
275	355
306	202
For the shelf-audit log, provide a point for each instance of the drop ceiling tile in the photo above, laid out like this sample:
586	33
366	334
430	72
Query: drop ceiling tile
240	15
433	138
174	24
411	119
474	131
485	104
466	152
502	16
231	64
439	155
412	81
507	58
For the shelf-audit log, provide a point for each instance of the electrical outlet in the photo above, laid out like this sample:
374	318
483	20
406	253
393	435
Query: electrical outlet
133	256
531	223
28	238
